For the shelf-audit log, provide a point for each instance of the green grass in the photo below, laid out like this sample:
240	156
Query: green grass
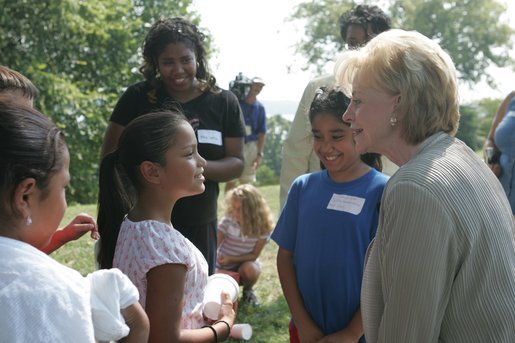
269	320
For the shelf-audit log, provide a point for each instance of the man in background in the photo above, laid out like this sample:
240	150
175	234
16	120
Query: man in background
357	27
255	126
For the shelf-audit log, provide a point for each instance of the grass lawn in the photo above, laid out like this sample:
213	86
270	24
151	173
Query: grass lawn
269	321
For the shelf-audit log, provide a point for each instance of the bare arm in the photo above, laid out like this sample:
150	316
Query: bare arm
81	224
219	238
231	166
111	137
137	321
306	327
165	293
350	334
499	115
261	147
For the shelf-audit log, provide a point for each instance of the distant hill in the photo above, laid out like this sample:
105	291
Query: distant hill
285	108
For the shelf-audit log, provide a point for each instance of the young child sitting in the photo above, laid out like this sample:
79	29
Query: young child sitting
242	234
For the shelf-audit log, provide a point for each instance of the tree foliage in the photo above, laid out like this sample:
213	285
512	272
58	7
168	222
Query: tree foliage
322	41
277	130
81	55
469	30
469	127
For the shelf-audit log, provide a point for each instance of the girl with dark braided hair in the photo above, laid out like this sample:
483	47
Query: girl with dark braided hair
177	78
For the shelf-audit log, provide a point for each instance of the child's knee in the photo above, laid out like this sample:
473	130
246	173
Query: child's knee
249	270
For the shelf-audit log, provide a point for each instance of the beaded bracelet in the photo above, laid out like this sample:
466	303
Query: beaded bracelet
214	331
228	326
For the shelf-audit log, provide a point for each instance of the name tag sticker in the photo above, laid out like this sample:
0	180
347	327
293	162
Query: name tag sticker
346	203
209	137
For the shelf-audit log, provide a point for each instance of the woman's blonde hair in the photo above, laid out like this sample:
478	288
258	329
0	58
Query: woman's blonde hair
415	67
256	217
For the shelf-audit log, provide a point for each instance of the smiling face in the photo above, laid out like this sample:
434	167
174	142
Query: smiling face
334	146
369	116
183	173
177	65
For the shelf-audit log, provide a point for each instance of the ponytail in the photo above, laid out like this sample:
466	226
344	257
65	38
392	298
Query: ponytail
114	201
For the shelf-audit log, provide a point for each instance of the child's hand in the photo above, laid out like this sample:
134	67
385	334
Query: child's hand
223	260
310	334
227	312
81	224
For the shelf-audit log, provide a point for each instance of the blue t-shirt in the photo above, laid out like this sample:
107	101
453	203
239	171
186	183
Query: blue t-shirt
255	120
328	226
505	141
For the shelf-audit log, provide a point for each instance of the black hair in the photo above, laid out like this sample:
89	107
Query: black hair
368	17
11	80
333	101
146	138
31	146
175	30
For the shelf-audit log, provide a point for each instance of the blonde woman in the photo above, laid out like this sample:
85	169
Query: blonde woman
442	267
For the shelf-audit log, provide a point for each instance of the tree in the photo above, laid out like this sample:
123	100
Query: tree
277	130
468	129
322	41
469	30
81	55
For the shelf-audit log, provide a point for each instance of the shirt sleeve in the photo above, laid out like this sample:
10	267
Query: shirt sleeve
223	225
285	232
418	261
125	110
111	291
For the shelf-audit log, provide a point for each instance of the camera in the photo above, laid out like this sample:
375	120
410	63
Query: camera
240	86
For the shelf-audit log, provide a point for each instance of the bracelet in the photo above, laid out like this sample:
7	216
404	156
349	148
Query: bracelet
214	331
260	154
228	326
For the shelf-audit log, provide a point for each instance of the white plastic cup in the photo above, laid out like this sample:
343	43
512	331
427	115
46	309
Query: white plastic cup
217	283
241	331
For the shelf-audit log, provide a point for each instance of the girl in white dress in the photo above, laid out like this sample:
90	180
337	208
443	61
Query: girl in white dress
157	163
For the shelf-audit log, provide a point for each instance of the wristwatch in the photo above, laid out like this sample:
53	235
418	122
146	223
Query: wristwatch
260	154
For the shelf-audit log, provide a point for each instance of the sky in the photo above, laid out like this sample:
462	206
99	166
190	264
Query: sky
255	38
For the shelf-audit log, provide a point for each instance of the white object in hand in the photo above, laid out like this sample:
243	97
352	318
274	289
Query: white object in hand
217	283
241	331
489	152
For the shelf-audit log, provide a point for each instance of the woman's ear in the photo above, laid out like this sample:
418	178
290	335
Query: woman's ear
150	172
23	196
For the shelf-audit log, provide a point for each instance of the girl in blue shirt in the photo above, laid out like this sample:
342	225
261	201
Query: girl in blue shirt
325	227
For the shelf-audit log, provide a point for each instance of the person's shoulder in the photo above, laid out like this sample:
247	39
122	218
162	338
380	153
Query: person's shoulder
308	179
139	87
379	176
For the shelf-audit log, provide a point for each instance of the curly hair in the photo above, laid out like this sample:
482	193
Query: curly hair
333	101
256	216
169	31
368	17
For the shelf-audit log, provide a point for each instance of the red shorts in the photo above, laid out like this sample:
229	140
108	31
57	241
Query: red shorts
294	336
